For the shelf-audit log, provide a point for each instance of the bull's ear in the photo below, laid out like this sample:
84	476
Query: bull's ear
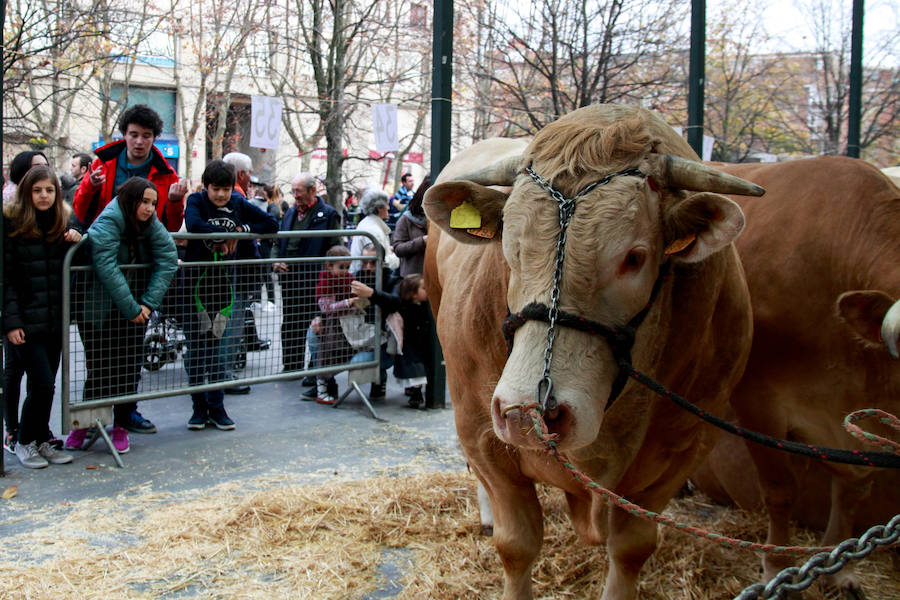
863	312
701	225
469	212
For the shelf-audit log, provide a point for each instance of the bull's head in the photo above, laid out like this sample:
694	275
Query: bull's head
616	243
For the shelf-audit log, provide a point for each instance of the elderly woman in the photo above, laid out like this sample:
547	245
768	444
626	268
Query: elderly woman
374	205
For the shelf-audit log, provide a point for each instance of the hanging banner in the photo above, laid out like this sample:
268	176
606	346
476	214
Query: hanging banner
265	121
384	124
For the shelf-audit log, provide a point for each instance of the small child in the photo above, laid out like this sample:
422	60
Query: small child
333	299
37	238
410	367
210	290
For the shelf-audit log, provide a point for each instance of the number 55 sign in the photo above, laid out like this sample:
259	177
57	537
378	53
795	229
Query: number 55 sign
265	121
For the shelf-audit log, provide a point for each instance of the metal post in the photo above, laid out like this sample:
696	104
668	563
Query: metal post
855	108
441	90
2	358
696	76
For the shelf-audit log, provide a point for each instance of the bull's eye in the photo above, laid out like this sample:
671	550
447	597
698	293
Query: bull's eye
633	262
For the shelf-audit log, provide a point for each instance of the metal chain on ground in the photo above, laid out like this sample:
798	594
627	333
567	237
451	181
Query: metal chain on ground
797	579
549	440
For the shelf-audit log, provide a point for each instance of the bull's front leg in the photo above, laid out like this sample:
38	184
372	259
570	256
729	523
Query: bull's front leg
630	543
779	492
518	531
847	495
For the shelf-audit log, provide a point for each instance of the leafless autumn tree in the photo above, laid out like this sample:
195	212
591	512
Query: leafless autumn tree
820	124
133	24
546	58
336	35
742	86
53	51
210	38
401	74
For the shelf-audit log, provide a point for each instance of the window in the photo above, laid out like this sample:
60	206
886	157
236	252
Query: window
418	16
159	99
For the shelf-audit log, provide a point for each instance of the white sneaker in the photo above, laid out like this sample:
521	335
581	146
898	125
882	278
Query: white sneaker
52	455
29	457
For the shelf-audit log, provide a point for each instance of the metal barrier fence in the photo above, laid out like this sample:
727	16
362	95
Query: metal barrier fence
221	323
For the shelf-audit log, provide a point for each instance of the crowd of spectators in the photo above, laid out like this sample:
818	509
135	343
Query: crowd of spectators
128	199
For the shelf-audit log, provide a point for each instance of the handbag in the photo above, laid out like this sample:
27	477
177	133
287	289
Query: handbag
359	334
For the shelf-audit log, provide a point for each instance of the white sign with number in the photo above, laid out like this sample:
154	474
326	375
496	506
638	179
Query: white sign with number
265	121
384	124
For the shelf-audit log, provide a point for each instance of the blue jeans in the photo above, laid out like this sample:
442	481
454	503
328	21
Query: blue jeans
203	361
230	343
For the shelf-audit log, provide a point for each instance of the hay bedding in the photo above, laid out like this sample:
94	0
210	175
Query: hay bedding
329	542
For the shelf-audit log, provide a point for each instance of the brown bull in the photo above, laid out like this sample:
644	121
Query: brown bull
694	339
820	254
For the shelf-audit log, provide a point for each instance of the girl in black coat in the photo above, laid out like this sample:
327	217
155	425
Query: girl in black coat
412	365
37	238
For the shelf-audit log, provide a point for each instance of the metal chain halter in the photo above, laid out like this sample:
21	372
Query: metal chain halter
566	208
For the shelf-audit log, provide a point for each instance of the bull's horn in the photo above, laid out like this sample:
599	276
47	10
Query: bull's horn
890	329
691	175
502	172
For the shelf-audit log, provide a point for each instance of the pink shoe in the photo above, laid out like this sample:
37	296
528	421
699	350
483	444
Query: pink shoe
76	439
119	437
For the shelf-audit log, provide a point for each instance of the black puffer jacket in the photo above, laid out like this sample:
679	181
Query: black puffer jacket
32	283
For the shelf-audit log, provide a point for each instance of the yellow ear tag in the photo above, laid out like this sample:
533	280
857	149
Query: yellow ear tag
465	216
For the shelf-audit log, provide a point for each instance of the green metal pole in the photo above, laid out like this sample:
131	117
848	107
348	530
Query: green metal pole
441	104
855	108
696	76
2	358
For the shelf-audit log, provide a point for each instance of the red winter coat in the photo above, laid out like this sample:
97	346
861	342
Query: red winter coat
90	201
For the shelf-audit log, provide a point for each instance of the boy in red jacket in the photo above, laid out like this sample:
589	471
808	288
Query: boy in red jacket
133	156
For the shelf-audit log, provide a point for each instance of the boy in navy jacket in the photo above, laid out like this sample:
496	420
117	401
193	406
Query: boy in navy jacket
209	289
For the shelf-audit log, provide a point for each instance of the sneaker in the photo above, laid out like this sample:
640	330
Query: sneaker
197	421
9	441
29	457
138	424
219	419
308	381
55	442
52	455
323	396
309	395
76	439
120	439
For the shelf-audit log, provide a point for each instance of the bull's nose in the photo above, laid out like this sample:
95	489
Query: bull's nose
515	425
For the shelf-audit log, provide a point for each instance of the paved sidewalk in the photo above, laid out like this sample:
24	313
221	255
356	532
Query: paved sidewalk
277	436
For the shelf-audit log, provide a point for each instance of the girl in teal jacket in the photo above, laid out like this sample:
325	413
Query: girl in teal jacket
118	302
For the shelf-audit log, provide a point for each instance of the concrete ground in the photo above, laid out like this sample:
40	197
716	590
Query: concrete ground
277	436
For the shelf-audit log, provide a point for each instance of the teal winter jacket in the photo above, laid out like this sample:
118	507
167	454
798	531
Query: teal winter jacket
126	290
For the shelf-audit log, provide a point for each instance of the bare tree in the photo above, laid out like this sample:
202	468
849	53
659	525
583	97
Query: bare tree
335	34
742	87
820	123
553	56
212	34
284	60
402	75
133	26
52	50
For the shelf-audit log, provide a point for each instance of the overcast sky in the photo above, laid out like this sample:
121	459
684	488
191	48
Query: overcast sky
789	25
